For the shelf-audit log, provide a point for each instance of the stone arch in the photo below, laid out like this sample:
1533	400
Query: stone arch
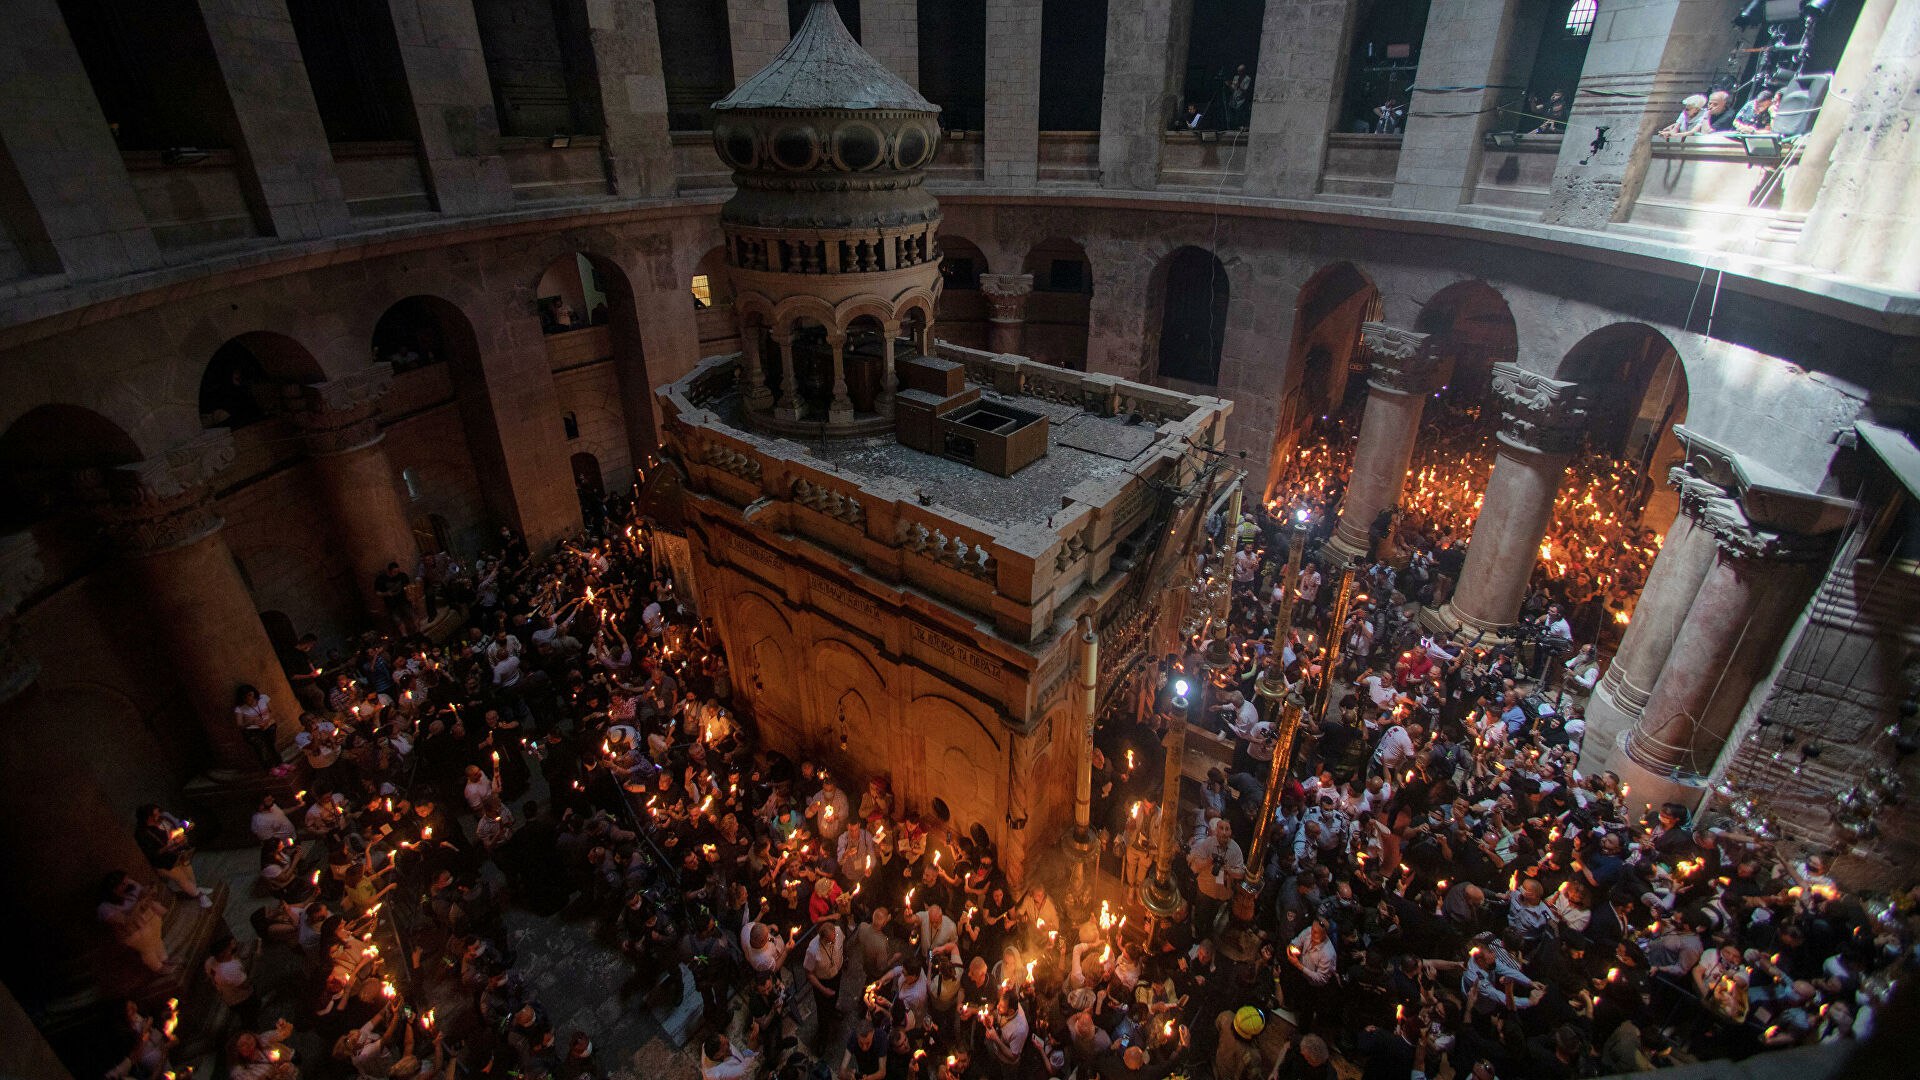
1322	352
1060	309
962	306
1638	390
610	330
966	761
246	380
865	355
1188	297
762	630
1471	324
46	453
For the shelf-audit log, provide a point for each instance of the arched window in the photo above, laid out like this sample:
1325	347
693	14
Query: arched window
1580	17
572	424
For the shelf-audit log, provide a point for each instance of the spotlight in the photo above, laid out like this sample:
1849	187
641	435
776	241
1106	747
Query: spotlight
1812	8
559	142
1302	515
1761	147
1502	140
1180	689
1752	15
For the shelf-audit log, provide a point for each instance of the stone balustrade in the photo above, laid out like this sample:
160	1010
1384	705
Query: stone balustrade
1018	575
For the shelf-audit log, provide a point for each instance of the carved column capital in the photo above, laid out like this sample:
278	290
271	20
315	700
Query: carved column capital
21	572
343	414
1538	414
166	502
1007	295
1402	361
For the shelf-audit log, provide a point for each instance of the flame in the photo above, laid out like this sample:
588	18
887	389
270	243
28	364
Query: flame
426	1021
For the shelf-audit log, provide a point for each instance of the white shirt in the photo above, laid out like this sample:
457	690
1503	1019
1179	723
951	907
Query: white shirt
823	960
477	792
1396	747
256	715
1317	962
272	824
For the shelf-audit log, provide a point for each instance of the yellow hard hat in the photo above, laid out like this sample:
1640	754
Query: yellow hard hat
1248	1023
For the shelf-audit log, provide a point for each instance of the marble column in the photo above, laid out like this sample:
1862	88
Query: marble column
57	830
1725	646
1685	557
840	408
788	406
1405	369
163	519
1006	310
340	425
1541	422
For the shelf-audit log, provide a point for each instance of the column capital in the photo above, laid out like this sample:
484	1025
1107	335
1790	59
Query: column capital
1006	285
1403	361
343	414
166	502
1538	414
21	572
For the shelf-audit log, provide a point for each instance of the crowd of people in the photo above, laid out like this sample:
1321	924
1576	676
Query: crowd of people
1593	560
1441	884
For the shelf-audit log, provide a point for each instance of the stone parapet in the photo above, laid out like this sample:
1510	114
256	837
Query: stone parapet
1019	574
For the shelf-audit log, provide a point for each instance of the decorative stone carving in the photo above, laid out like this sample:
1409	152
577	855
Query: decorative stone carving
1007	295
343	414
166	502
1403	362
1539	414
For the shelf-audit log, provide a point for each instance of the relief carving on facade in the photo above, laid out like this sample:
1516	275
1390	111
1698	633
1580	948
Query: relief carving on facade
1402	361
1543	415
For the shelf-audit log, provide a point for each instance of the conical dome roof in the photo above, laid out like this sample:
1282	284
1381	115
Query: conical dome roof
824	68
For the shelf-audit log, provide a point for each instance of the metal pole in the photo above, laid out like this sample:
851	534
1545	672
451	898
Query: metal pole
1161	896
1288	728
1342	601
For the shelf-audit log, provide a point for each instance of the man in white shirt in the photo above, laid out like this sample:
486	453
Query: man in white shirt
1007	1031
478	788
826	955
764	949
270	822
1396	748
1218	865
720	1060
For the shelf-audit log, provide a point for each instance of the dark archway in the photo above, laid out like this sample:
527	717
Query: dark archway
592	331
1471	325
1059	312
1637	384
248	378
1194	294
963	307
1223	53
422	331
1321	356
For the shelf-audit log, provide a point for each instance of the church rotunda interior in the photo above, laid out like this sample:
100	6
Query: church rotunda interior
958	539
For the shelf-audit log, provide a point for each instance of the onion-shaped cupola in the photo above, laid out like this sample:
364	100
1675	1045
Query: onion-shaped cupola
831	236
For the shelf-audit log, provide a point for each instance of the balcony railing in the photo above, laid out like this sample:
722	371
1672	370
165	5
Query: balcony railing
1361	166
1518	177
1213	160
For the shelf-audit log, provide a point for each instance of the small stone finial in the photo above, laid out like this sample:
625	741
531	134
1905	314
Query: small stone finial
1539	414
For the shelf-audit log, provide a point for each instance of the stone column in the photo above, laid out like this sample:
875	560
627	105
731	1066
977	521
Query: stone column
57	831
452	106
1645	56
286	162
1466	45
1296	94
1007	310
788	405
890	30
74	211
1725	646
1013	92
1849	84
757	30
758	396
634	145
1405	370
1146	69
889	378
340	425
1858	227
1685	557
840	408
1541	422
163	519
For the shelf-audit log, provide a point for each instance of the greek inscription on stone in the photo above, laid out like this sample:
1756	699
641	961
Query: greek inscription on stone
954	650
847	597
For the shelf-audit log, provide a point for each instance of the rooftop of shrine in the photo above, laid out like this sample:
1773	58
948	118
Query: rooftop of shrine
937	508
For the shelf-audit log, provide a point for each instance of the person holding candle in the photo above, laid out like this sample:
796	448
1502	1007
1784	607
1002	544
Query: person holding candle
165	841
